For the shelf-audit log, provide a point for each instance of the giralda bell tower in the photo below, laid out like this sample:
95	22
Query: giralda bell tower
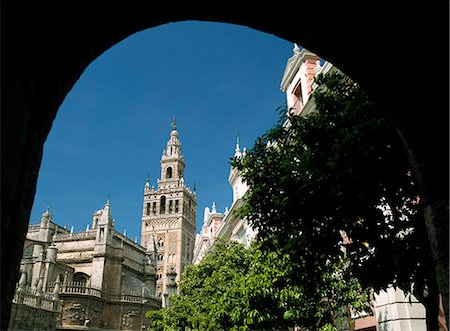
169	216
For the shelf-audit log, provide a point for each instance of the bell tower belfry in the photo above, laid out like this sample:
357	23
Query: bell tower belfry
172	162
169	216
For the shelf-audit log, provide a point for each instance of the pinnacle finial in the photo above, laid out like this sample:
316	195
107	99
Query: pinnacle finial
47	212
296	49
237	150
173	123
46	216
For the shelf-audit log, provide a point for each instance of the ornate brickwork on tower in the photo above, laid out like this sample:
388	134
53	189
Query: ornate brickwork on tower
169	216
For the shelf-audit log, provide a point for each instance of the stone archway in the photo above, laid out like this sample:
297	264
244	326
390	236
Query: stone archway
400	60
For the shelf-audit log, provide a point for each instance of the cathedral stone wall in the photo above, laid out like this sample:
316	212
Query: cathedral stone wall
103	278
75	251
132	258
112	275
25	318
93	312
85	268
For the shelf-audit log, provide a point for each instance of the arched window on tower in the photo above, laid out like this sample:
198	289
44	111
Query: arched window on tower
160	243
170	206
162	205
154	208
177	206
169	172
147	206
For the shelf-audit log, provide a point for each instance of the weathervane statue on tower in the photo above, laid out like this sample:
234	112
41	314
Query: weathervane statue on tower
173	123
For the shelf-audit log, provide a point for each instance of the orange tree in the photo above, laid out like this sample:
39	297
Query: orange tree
235	288
340	168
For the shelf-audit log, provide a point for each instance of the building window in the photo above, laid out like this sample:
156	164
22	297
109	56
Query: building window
162	206
298	100
28	251
176	206
161	243
169	172
154	208
147	211
160	257
170	206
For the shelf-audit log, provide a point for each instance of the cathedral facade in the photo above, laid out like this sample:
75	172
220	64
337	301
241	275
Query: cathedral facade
100	279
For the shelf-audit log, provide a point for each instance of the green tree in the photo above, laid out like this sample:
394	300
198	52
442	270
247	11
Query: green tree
340	169
235	288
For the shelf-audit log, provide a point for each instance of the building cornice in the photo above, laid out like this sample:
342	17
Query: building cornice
292	67
229	221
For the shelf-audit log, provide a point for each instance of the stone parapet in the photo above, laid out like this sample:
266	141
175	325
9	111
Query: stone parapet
76	236
24	317
117	312
34	227
32	298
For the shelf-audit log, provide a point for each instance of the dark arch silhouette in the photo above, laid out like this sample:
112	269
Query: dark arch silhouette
397	50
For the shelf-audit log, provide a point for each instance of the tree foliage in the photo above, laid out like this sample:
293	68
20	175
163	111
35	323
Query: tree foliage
340	168
235	288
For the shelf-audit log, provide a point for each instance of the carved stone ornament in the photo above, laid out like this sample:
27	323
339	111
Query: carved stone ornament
128	318
75	312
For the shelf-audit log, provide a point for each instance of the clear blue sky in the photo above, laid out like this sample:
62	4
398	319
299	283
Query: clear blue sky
218	80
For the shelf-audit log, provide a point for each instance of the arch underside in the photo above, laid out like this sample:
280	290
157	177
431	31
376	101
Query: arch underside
47	46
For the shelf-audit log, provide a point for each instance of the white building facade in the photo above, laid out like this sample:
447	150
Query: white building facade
227	225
